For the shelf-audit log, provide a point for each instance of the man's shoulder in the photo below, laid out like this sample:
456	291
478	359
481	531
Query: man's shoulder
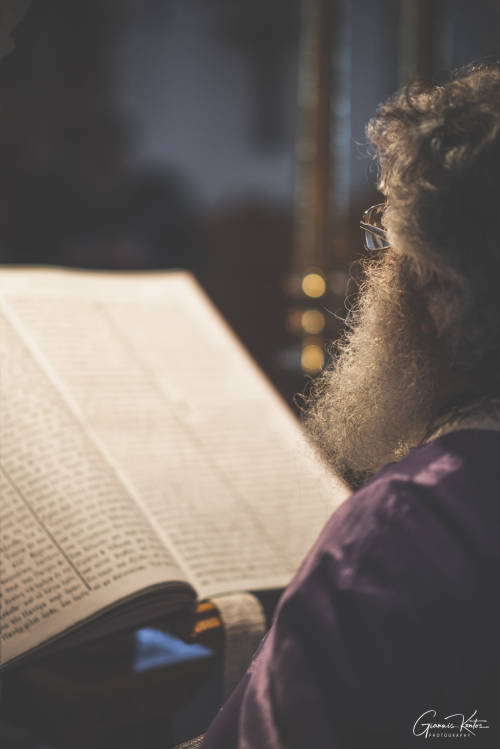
425	516
457	474
461	455
450	483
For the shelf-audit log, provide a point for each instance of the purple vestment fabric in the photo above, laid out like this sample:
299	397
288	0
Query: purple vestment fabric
394	612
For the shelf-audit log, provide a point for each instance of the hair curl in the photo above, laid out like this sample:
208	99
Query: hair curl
439	155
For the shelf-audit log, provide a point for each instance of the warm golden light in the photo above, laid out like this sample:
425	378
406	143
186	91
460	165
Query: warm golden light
313	321
313	285
312	358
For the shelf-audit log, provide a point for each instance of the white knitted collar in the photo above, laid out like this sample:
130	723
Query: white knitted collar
482	414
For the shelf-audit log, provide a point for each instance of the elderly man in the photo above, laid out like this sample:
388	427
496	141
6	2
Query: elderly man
389	635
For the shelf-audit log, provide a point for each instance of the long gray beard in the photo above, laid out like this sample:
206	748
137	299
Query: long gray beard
375	402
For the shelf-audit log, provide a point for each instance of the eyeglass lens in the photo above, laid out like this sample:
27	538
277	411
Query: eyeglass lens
375	241
373	216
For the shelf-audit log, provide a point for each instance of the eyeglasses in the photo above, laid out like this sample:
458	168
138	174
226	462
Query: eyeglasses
375	237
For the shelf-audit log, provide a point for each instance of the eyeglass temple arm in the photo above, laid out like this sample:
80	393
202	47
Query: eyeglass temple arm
373	229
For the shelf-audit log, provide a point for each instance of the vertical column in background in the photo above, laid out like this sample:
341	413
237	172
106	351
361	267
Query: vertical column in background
339	250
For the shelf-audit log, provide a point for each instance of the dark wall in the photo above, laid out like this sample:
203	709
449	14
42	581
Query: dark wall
161	133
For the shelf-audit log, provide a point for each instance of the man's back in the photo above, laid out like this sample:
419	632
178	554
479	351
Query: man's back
392	621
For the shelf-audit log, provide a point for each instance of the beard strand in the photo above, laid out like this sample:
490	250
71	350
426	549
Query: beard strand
375	402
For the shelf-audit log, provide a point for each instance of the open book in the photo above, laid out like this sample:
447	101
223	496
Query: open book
144	459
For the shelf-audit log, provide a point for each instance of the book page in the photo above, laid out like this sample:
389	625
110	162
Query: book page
72	539
215	455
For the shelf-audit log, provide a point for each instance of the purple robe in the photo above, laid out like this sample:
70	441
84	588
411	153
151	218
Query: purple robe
394	614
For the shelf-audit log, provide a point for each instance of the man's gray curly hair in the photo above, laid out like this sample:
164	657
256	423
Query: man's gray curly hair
439	154
423	339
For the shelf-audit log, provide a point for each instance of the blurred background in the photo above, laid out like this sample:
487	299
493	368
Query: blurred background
222	136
